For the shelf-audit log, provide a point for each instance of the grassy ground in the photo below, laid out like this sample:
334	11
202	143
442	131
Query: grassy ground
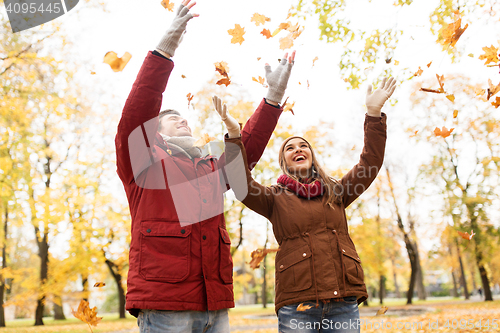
448	312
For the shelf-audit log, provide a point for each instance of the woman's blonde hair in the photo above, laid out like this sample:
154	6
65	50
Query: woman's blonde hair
333	188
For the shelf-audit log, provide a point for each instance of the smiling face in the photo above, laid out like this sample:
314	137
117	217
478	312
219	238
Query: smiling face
174	125
298	157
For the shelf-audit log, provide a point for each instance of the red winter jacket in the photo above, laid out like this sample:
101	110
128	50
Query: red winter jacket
174	262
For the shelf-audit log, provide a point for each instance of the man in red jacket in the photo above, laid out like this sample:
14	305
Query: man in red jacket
180	266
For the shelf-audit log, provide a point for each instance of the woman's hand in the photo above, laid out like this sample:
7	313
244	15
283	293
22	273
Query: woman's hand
173	36
278	79
375	101
232	125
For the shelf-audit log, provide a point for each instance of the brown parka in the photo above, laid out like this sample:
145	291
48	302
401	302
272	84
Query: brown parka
317	258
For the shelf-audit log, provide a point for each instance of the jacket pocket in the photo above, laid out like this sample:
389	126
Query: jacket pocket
352	268
165	254
225	259
295	270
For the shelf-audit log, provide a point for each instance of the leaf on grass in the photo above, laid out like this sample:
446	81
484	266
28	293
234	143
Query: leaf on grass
451	97
465	235
266	33
99	284
496	103
225	81
259	19
168	5
419	72
205	138
443	132
237	34
190	98
492	90
490	55
260	80
382	310
301	307
259	255
450	33
455	113
87	315
314	60
286	42
116	64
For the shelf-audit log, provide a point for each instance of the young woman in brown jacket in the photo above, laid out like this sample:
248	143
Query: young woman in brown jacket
317	264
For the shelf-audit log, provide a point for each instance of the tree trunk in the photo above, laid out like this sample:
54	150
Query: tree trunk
85	287
484	278
58	308
472	267
396	286
454	292
43	253
420	276
4	265
463	278
118	279
234	249
381	289
414	270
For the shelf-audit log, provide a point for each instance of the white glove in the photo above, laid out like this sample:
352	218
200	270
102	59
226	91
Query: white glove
278	79
375	101
232	125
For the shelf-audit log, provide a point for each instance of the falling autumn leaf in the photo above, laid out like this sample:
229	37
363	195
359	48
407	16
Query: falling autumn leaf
266	33
237	34
441	82
465	235
286	42
314	60
301	307
183	76
492	90
87	315
396	62
429	64
99	284
382	310
288	106
168	5
205	138
479	91
455	113
259	80
259	255
490	55
443	132
471	55
222	68
496	103
224	81
419	72
189	98
92	73
259	19
293	28
450	33
451	97
258	58
117	64
284	26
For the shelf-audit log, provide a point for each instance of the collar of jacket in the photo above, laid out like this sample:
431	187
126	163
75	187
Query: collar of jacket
306	191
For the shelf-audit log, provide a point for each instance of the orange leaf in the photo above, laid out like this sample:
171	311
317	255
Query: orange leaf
450	33
116	64
225	81
414	134
258	58
496	103
87	315
168	5
443	132
314	60
455	113
451	97
440	81
99	284
288	106
429	64
259	255
259	19
190	98
302	307
492	90
237	34
382	310
222	68
266	33
396	62
479	91
284	26
419	72
286	42
490	55
183	76
259	80
205	138
465	235
431	90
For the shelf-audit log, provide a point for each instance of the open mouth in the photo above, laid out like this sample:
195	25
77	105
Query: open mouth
299	158
183	127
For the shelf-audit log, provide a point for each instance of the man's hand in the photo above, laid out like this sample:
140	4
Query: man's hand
278	79
233	128
375	101
173	36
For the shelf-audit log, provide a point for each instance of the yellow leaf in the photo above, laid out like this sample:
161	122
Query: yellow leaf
419	72
222	68
286	42
87	315
237	34
451	97
288	106
92	73
455	113
396	62
99	284
496	103
302	307
259	19
382	310
492	90
490	55
205	138
259	80
450	33
314	60
275	32
284	26
168	5
117	64
259	255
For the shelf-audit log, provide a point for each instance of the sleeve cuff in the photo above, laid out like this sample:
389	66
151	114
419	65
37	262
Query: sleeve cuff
156	53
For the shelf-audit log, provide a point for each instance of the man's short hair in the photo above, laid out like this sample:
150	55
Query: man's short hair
165	113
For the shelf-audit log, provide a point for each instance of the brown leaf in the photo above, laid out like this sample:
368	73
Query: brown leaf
441	82
465	235
117	64
259	255
266	33
496	103
87	315
237	34
429	64
301	307
431	90
382	310
225	81
205	138
419	72
99	284
444	132
492	90
259	19
222	68
168	5
490	55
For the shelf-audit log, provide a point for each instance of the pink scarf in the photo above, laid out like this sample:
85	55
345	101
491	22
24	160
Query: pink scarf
307	191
